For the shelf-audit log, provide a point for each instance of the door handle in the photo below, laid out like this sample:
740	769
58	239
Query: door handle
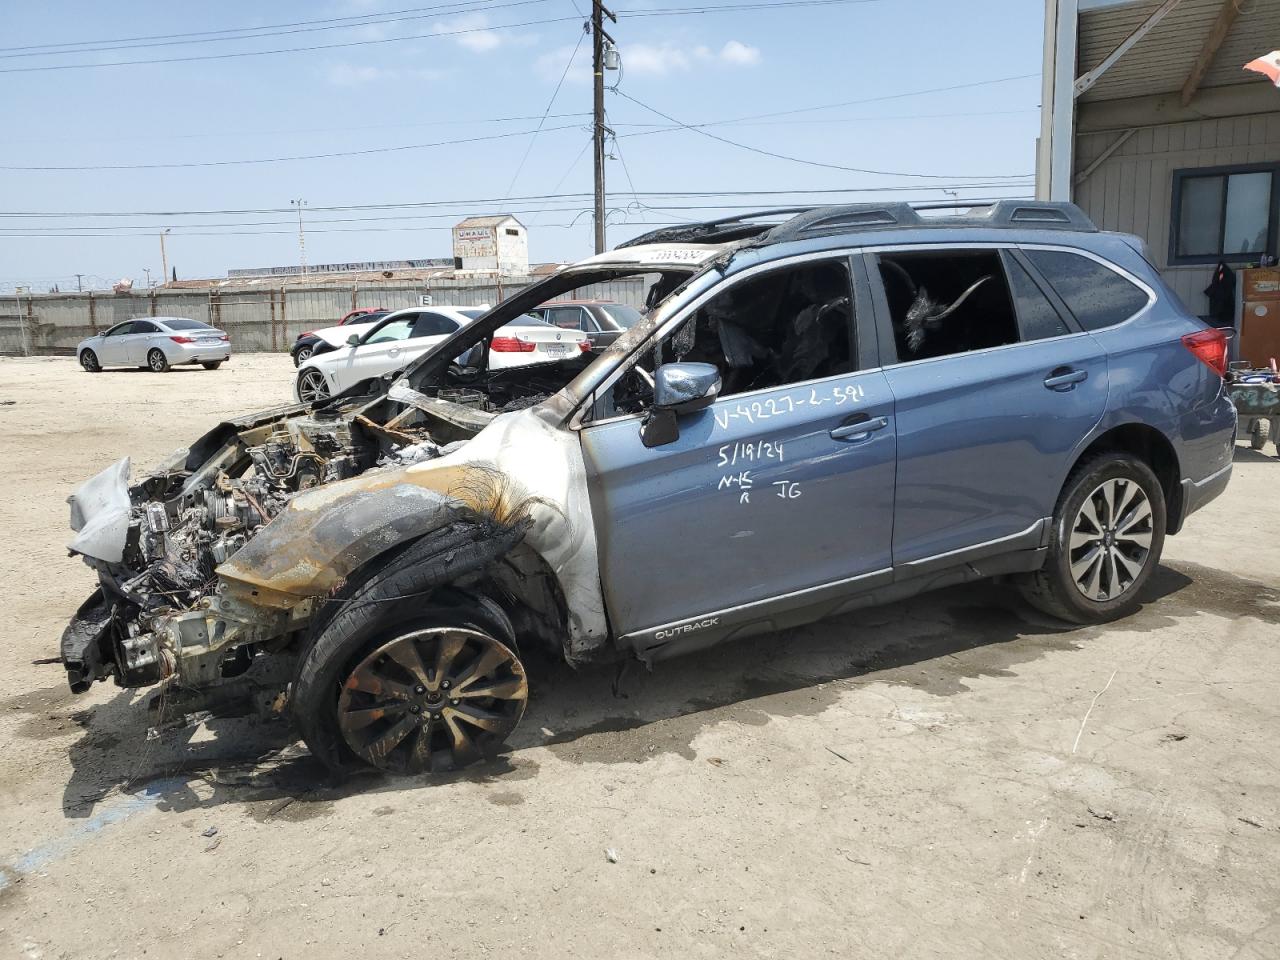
1064	378
859	427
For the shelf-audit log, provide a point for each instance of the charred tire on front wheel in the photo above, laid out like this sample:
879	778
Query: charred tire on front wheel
1054	588
89	360
157	362
408	594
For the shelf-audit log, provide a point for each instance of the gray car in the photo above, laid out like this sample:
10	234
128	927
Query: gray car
155	343
848	407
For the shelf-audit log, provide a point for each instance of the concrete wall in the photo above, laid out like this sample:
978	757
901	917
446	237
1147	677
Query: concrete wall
1132	190
258	320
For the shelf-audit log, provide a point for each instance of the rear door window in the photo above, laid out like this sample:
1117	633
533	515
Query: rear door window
144	326
1038	319
434	325
1097	295
567	318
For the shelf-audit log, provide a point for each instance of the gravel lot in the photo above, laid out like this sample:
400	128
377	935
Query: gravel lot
953	776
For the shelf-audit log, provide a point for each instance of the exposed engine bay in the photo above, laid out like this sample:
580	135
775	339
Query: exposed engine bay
156	545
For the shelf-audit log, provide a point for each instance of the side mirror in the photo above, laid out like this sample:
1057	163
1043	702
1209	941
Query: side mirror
353	340
678	389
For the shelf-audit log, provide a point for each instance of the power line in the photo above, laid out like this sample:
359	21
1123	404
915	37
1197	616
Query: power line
810	163
533	198
255	33
313	156
550	103
670	11
436	35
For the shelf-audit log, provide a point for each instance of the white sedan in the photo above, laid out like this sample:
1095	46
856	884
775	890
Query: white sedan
402	337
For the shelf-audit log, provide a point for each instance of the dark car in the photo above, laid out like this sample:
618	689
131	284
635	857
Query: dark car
310	343
603	321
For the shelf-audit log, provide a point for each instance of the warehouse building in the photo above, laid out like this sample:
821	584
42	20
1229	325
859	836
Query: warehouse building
1151	124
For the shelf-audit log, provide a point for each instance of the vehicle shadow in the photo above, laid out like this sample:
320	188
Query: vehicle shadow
938	643
1249	455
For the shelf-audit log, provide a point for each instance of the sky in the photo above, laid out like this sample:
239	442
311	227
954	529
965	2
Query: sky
417	117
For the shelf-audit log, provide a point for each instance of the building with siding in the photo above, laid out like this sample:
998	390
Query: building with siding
1152	126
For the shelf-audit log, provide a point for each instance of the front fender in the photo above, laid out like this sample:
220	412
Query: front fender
324	536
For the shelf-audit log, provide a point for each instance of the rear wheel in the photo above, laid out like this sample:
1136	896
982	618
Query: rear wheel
157	362
311	386
1108	533
1259	433
89	360
212	364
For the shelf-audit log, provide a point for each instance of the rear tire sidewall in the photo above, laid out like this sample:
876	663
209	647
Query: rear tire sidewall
1057	571
349	638
162	366
89	361
1259	433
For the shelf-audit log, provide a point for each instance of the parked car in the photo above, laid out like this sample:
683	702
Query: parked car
849	406
401	337
311	341
155	343
603	321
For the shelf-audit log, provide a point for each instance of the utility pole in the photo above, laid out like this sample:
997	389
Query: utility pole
598	36
147	271
79	285
164	259
302	239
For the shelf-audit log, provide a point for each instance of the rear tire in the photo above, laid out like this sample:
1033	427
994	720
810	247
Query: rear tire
1107	537
212	364
1259	433
89	360
157	362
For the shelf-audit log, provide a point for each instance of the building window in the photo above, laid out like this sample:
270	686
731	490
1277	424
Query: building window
511	232
1224	213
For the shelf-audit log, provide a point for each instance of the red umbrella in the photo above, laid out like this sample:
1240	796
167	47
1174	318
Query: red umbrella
1268	65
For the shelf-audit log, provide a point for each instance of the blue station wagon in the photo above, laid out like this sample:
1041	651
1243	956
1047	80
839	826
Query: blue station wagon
819	409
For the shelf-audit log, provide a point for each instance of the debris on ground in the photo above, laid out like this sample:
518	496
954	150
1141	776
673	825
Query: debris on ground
611	855
211	831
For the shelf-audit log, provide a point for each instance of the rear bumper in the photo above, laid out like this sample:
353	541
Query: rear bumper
1195	494
198	352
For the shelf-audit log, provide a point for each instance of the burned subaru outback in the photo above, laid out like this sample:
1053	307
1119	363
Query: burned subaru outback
820	409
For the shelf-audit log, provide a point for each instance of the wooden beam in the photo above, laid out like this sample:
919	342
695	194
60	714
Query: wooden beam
1221	27
1104	156
1093	76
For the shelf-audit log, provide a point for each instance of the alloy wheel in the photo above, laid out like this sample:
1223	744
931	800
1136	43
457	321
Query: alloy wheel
303	356
157	361
434	699
89	360
311	387
1111	539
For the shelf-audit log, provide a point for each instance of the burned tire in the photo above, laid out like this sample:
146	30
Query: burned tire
89	360
157	362
1259	433
212	364
1108	533
423	691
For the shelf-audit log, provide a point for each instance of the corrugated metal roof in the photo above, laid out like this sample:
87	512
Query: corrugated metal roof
487	221
1161	61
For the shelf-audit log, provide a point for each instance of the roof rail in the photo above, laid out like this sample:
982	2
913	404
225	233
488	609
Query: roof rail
807	222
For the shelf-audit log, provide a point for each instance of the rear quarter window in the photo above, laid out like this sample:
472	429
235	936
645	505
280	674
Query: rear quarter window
1097	295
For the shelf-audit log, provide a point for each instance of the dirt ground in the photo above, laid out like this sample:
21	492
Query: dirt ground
950	777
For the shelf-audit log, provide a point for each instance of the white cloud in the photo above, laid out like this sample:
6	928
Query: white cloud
351	75
667	58
550	65
471	32
740	54
359	75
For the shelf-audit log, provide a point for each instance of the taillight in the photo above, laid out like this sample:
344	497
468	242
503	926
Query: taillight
1210	348
512	345
584	346
182	340
225	338
309	333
